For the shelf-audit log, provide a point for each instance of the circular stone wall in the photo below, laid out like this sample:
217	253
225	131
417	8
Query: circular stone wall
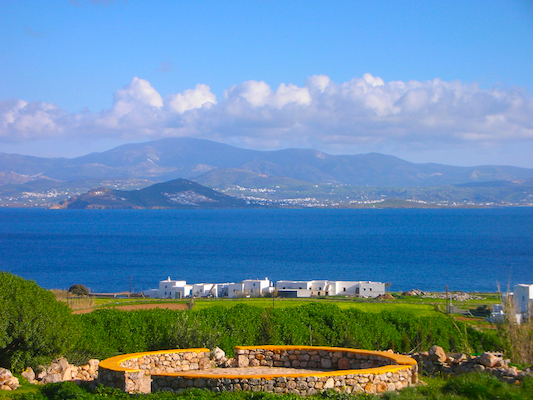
301	370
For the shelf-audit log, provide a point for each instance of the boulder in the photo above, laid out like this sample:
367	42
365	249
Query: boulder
437	354
488	360
7	380
29	375
218	354
52	377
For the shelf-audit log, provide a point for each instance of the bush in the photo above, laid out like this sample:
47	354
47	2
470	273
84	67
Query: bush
34	327
106	333
79	290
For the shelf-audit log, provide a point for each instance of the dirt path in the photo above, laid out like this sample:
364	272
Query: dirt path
132	307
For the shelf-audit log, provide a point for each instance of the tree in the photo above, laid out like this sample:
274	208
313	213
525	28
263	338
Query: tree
34	326
78	290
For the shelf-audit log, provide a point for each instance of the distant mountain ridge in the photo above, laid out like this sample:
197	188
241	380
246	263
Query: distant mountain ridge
172	158
179	193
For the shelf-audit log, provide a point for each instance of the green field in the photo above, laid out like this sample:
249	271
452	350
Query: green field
421	306
367	306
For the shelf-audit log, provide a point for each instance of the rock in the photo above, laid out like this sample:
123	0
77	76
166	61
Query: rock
414	292
218	354
488	360
460	358
243	361
437	354
52	377
330	384
428	367
42	372
254	363
28	374
479	368
344	363
7	380
69	372
93	364
204	363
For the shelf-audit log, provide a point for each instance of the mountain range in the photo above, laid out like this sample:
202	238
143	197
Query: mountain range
250	173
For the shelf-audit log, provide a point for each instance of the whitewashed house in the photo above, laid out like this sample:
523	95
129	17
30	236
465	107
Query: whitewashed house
523	299
250	288
294	288
329	288
173	289
170	289
204	290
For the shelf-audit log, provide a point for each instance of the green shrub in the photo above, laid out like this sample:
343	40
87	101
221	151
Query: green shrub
110	332
485	386
78	290
34	327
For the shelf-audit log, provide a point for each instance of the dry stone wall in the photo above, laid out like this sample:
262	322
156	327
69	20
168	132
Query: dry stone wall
170	362
310	358
302	385
344	370
132	373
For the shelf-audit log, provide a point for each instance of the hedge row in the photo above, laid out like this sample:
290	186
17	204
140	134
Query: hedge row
106	333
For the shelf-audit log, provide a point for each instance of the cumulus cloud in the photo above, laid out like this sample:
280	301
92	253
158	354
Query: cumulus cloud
364	113
191	98
20	120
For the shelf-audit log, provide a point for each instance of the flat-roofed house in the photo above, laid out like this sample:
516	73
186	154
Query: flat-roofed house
523	299
170	289
250	288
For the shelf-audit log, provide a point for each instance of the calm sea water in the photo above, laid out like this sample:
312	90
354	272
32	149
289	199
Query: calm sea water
470	250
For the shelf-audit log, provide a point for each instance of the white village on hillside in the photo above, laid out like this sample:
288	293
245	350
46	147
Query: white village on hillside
173	289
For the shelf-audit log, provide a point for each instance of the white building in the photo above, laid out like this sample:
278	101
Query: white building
523	299
173	289
329	288
250	288
170	289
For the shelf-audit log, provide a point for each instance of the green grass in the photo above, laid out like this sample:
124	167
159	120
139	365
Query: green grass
367	306
123	301
420	306
465	387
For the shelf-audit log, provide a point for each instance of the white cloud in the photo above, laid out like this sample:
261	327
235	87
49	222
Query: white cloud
363	114
255	93
191	99
20	120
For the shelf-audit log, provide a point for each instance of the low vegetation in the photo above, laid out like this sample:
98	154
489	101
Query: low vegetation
34	327
466	387
108	332
517	337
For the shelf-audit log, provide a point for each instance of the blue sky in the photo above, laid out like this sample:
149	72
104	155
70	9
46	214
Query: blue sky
447	82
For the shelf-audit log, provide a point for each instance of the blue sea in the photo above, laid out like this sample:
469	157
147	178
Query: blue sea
107	250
